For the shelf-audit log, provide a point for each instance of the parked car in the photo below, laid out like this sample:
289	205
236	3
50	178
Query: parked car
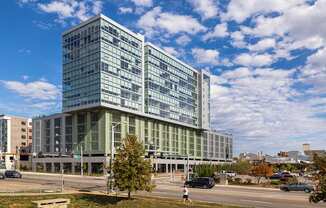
284	176
231	174
2	176
297	187
201	182
13	174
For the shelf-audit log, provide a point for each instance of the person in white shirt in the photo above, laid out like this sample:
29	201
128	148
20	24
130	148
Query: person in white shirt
186	195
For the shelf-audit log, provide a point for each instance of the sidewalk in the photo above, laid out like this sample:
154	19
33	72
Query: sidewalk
65	175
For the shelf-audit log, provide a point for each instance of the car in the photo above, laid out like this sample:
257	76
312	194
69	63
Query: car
13	174
201	182
231	174
276	176
281	176
297	187
2	176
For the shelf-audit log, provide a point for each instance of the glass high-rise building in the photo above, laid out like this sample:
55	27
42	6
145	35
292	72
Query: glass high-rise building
112	77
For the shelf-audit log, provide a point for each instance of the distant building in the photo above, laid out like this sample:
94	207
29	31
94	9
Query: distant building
283	154
15	136
306	147
310	153
248	156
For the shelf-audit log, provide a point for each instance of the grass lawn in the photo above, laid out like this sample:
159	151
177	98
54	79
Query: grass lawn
99	201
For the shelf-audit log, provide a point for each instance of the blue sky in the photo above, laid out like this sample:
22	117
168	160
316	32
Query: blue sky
267	59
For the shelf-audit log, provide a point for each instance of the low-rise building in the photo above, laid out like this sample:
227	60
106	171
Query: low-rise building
15	135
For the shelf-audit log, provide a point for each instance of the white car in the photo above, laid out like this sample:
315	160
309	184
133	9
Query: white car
230	174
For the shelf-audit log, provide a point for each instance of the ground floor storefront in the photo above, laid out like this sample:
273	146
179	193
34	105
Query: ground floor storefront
99	165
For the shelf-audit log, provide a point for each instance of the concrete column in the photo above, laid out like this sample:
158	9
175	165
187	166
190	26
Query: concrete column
34	166
73	171
61	167
52	168
104	168
87	138
167	168
184	166
89	168
44	167
63	135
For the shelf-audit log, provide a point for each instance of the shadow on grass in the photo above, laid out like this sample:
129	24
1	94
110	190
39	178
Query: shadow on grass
101	199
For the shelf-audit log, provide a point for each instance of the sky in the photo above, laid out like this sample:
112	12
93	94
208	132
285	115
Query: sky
267	59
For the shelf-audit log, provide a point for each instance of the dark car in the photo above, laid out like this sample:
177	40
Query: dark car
2	176
281	176
201	182
13	174
297	187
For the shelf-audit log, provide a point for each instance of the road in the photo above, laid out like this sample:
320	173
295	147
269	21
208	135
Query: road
232	195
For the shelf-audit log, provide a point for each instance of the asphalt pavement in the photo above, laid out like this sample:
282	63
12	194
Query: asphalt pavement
231	195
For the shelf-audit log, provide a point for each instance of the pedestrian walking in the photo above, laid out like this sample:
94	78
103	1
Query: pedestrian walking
186	195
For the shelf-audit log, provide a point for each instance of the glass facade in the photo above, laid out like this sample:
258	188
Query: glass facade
81	66
102	65
171	88
121	67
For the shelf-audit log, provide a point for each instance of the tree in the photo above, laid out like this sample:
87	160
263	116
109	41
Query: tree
242	167
131	171
205	170
319	167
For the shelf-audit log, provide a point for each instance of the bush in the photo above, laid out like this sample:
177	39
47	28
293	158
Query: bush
205	170
276	182
217	179
248	181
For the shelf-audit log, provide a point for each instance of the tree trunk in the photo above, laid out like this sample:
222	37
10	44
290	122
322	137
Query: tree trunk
129	195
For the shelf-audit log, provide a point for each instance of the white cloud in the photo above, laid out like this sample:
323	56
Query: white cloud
238	39
220	30
171	51
205	8
97	7
40	90
263	45
260	106
143	3
240	10
314	73
296	24
155	21
24	51
81	10
125	10
25	77
183	40
256	60
206	56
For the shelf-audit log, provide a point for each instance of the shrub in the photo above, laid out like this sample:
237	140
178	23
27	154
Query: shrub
276	182
248	181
